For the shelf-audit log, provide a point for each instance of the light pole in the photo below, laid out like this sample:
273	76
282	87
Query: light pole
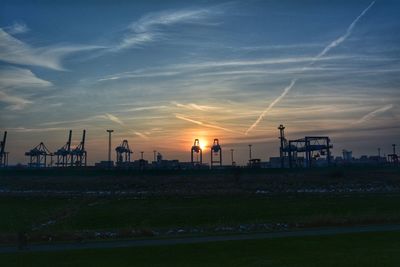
109	147
141	153
232	156
250	154
154	152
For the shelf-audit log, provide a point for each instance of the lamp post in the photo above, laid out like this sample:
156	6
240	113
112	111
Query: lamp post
250	153
109	147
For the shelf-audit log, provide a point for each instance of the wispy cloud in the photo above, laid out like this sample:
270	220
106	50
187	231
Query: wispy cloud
16	103
18	85
150	27
374	113
114	118
15	51
211	67
145	108
37	130
17	28
178	116
333	44
106	116
137	74
19	78
193	106
141	135
278	46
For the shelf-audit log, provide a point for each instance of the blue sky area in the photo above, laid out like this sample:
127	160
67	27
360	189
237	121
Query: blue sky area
161	73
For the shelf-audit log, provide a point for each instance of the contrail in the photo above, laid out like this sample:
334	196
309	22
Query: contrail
113	118
333	44
203	124
285	91
374	113
343	38
141	135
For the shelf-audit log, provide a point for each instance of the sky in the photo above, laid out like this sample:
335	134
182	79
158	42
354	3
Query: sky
162	73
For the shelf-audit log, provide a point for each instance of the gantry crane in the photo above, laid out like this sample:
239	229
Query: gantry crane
312	146
64	153
38	156
79	154
3	153
196	149
216	153
123	153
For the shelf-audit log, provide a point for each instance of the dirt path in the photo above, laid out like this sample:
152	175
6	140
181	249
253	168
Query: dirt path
204	239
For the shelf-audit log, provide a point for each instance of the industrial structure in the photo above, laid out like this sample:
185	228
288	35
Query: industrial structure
3	153
232	161
216	153
196	151
123	154
38	156
312	148
393	158
282	152
110	163
63	154
308	151
79	154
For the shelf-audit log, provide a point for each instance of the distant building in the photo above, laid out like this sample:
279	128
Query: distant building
347	155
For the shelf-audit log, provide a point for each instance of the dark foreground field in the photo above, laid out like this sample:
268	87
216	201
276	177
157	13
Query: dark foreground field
71	219
52	206
366	249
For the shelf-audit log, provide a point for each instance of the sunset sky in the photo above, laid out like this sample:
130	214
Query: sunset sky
162	73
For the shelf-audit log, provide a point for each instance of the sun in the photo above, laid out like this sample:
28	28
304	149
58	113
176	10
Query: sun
203	144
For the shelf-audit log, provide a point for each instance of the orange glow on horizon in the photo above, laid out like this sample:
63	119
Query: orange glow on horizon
203	144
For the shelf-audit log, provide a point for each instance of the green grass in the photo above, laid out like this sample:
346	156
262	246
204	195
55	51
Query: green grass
19	213
366	249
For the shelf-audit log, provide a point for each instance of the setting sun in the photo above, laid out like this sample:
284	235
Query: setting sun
203	144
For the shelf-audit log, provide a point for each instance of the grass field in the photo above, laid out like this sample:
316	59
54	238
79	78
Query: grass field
81	214
201	204
366	249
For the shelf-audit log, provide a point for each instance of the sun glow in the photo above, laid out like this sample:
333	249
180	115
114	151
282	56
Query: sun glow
203	144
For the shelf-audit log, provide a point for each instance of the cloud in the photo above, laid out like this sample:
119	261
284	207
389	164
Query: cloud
16	103
149	27
145	108
154	20
279	46
132	40
137	74
333	44
38	130
374	113
210	68
106	116
114	118
15	51
141	135
17	28
178	116
193	106
13	77
17	85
